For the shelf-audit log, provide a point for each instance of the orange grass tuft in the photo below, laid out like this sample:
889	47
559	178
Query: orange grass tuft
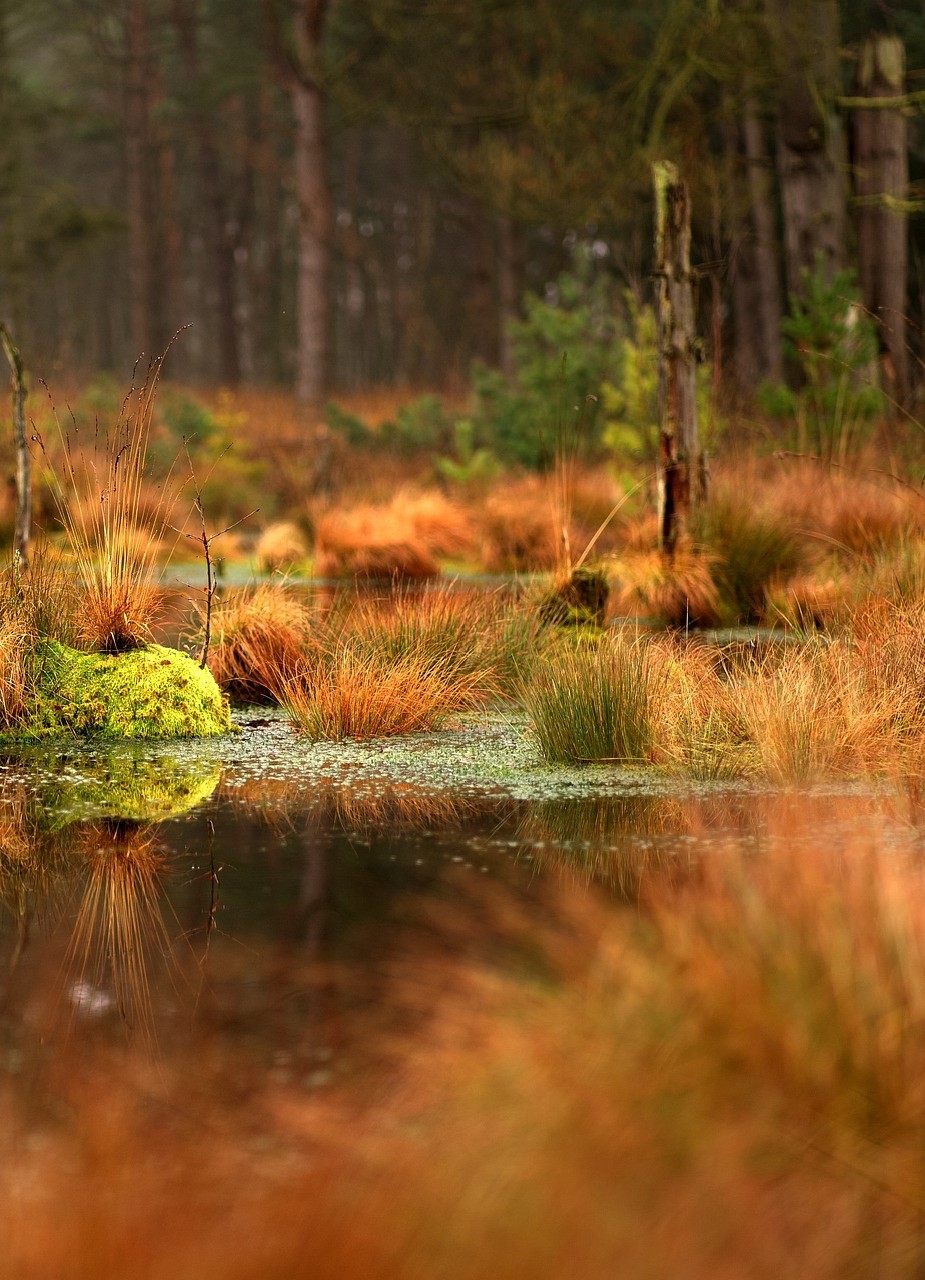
369	696
370	542
257	636
104	504
679	592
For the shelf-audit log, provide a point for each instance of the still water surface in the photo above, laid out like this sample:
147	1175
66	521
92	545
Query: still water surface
256	895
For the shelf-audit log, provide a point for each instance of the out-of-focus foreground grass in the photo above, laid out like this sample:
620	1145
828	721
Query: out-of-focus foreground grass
725	1082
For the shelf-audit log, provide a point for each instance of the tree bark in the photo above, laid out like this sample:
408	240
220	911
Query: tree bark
314	205
681	468
213	202
811	152
142	219
767	279
22	533
508	292
881	179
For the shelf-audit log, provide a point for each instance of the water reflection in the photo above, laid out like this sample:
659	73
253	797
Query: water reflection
270	917
614	841
119	933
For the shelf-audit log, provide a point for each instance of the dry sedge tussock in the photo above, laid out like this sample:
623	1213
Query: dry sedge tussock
369	696
852	705
258	637
677	593
445	626
395	665
370	542
114	532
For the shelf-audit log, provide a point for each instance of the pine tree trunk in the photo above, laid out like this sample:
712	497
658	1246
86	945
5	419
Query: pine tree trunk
212	203
508	292
767	280
681	468
811	151
142	219
315	208
881	179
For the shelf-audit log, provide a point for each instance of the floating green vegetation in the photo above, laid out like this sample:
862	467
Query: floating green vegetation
151	692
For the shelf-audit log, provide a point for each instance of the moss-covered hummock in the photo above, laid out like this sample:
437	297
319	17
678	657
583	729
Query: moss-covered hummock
152	692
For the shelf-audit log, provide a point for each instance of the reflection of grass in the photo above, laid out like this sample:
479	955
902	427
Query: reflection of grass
120	931
604	838
32	857
399	805
370	804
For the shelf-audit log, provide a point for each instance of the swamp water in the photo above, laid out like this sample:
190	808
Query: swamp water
264	886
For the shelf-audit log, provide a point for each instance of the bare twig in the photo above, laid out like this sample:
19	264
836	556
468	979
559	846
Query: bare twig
205	539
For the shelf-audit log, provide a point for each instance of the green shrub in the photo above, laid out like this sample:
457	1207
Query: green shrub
469	466
834	342
421	426
564	349
347	425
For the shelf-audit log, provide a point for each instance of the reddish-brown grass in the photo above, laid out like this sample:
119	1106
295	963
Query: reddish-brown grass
257	637
368	695
677	593
370	542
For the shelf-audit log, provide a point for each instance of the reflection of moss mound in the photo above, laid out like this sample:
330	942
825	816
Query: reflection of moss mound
119	786
148	693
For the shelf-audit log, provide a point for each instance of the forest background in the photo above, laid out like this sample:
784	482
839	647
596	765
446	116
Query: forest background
336	194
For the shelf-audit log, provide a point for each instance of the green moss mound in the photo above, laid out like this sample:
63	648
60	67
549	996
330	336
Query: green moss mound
149	693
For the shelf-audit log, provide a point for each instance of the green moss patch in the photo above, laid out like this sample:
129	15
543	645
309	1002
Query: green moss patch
149	693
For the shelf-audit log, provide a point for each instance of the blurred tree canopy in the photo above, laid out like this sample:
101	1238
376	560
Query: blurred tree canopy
153	173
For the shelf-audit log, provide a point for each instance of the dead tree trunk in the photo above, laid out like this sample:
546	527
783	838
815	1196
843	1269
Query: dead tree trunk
23	530
881	179
681	469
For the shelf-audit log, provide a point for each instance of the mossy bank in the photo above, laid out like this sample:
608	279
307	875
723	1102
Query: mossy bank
151	692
